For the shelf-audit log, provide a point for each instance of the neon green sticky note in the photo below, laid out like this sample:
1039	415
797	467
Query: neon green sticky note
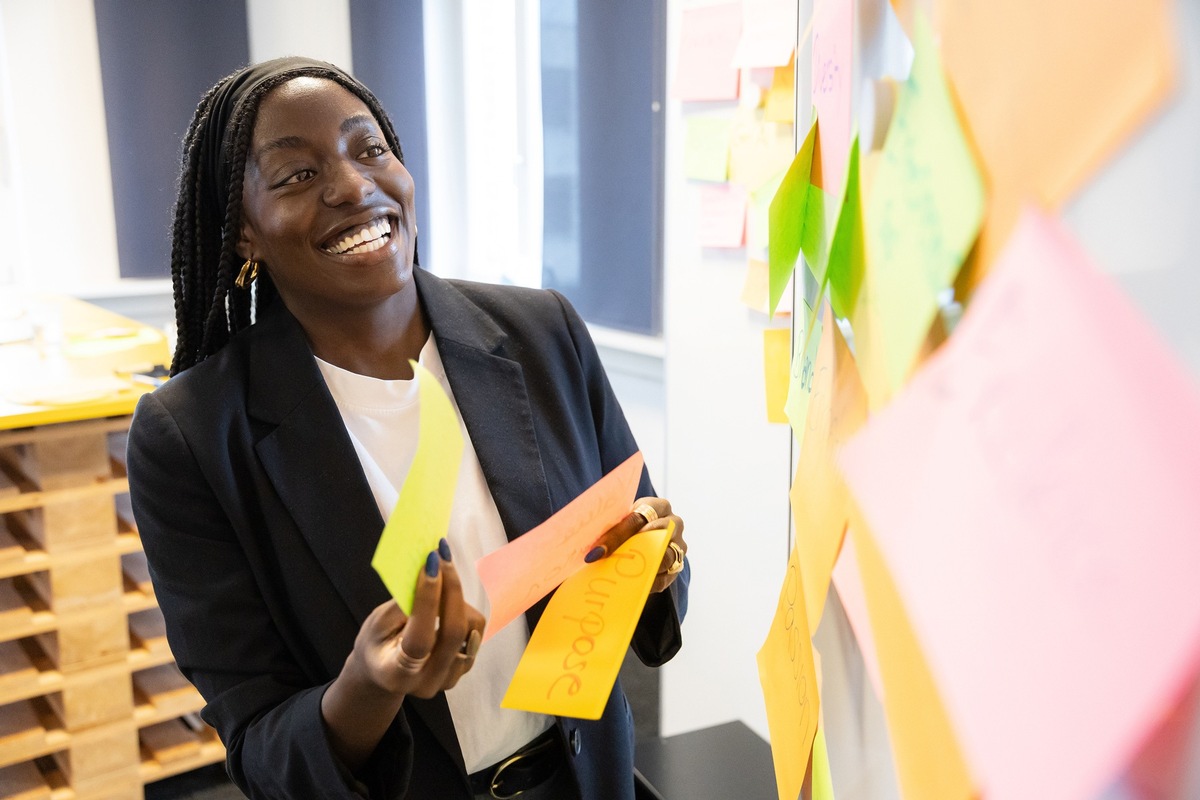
706	148
422	513
846	255
788	214
924	211
822	780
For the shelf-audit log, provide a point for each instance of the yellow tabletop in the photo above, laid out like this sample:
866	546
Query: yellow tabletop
63	360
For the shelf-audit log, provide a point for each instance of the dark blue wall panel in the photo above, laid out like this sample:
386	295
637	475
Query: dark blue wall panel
388	41
156	58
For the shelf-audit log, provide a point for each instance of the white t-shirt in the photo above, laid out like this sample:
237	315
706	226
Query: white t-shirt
382	417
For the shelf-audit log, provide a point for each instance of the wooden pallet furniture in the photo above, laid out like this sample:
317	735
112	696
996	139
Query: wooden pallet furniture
92	706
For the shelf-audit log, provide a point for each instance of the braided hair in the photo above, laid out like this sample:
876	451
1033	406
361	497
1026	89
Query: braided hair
209	307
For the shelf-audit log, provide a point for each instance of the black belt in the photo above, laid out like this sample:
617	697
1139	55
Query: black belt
529	767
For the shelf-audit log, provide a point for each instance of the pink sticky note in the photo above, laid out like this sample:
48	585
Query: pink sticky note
832	87
722	215
768	33
848	582
1033	491
707	43
528	568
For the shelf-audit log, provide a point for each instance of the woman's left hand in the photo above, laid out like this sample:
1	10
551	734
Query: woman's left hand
648	514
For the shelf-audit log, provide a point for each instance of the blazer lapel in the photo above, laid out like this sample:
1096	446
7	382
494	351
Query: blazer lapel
316	472
491	395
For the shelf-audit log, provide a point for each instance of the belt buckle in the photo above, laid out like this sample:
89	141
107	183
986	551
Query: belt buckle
494	786
516	758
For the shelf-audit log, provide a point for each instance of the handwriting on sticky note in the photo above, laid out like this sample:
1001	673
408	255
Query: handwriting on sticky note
832	88
924	210
526	569
788	676
421	516
574	654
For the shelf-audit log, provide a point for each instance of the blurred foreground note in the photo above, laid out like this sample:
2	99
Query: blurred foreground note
1045	114
707	43
929	759
1033	492
526	569
768	33
923	212
789	683
575	653
787	217
422	513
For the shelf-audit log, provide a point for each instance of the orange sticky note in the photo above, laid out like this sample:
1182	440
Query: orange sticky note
526	569
781	97
754	289
819	496
708	39
1045	115
777	367
929	761
789	683
573	657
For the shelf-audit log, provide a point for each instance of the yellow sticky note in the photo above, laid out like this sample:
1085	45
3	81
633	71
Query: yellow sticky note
758	215
777	353
929	759
573	657
781	97
422	513
754	288
819	496
789	683
706	148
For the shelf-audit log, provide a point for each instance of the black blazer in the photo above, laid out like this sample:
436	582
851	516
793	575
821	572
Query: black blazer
259	527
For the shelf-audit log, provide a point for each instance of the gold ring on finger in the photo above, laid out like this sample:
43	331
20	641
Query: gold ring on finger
676	565
406	662
647	512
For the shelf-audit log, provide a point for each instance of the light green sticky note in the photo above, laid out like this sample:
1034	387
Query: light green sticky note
822	780
706	148
846	257
814	242
422	513
924	212
788	214
806	333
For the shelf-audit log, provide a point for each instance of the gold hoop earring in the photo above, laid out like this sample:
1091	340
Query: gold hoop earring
247	275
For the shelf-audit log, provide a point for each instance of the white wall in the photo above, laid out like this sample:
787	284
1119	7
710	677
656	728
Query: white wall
313	28
727	468
59	227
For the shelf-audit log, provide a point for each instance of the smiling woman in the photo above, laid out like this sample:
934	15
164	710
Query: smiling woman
262	472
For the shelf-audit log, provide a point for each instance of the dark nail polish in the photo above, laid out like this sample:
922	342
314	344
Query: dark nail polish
431	564
444	550
596	553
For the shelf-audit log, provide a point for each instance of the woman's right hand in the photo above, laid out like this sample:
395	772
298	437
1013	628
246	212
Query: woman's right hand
429	650
397	654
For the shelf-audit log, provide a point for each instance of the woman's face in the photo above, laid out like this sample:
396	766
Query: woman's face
327	208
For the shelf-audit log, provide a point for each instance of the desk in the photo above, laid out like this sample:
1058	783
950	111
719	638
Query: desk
718	763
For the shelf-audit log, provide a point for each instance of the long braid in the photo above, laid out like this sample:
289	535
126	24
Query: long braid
204	260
